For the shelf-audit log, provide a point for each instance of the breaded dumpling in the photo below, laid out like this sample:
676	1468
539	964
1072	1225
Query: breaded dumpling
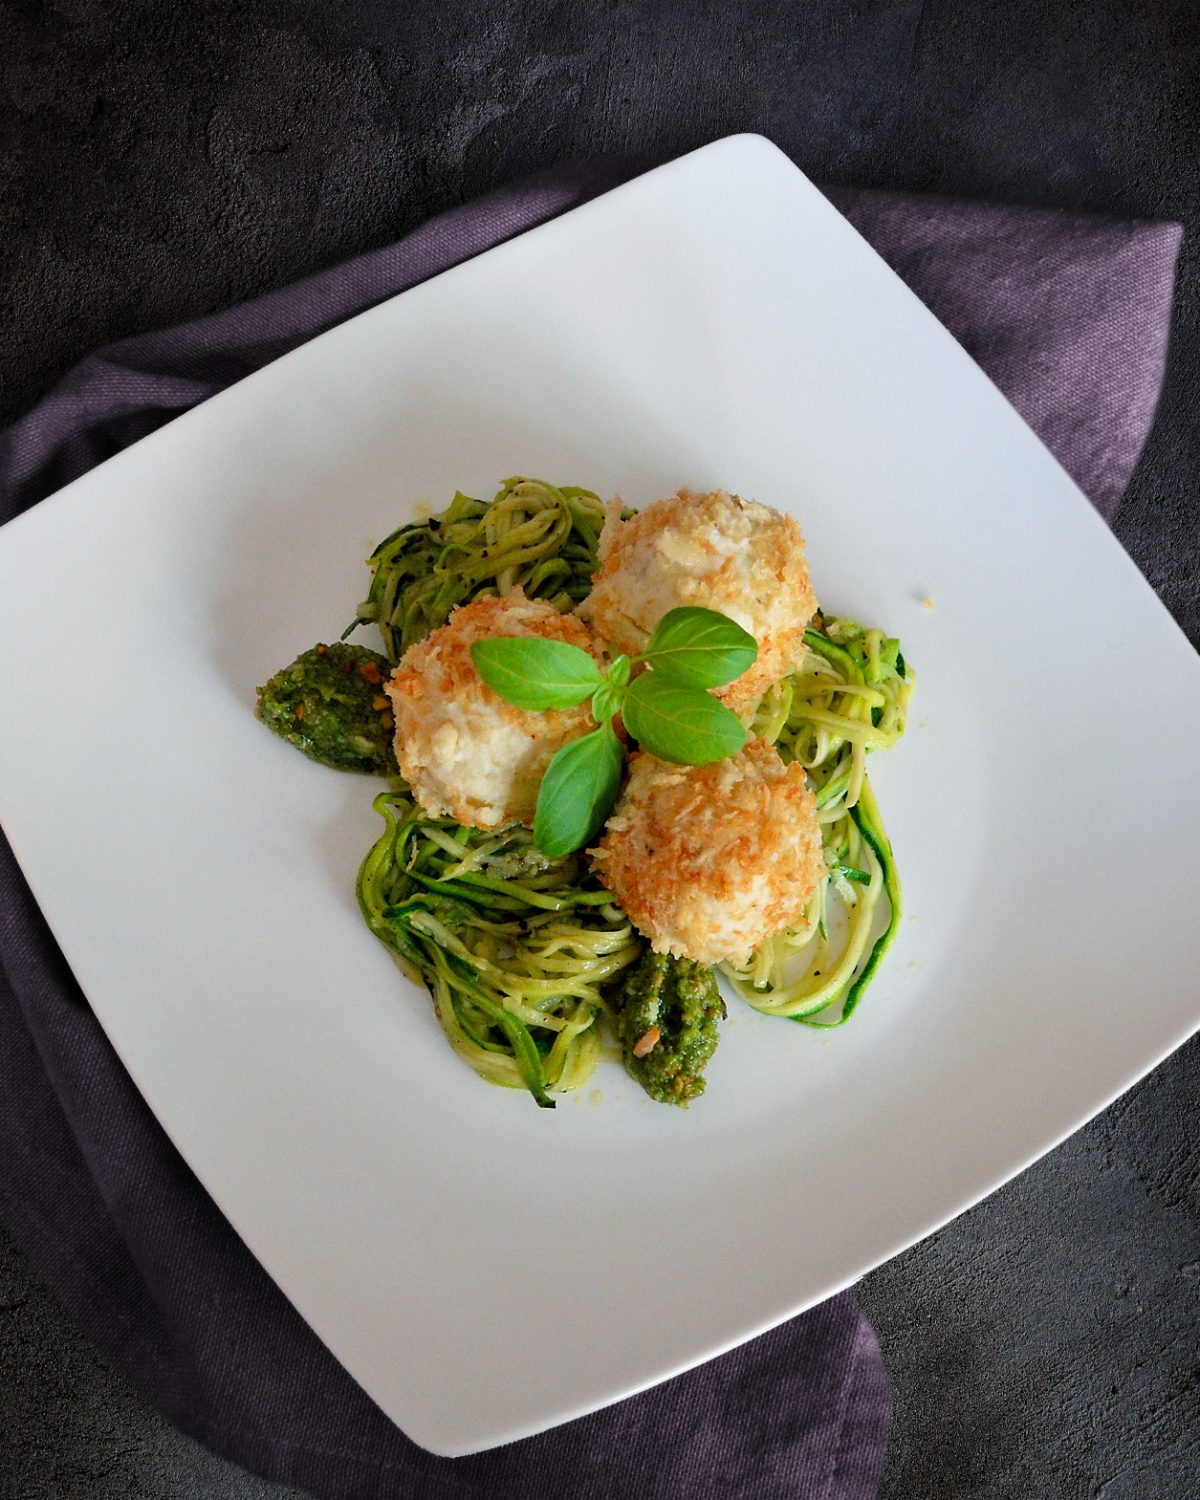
707	861
717	551
465	752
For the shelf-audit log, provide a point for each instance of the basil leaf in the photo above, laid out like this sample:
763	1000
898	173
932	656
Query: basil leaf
578	791
608	700
529	672
679	723
618	672
700	647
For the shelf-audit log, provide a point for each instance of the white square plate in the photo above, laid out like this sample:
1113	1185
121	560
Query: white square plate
478	1264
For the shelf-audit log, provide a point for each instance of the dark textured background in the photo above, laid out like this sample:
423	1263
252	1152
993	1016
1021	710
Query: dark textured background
161	158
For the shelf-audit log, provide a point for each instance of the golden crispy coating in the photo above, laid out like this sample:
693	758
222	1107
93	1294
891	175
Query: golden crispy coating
707	861
718	551
465	752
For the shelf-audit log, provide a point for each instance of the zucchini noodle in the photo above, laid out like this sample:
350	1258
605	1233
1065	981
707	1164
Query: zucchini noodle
850	697
520	952
533	536
516	949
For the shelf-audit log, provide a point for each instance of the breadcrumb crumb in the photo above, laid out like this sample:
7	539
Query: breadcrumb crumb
714	550
465	752
708	861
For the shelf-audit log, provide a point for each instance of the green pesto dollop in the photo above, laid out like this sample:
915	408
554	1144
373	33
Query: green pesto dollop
679	1000
330	703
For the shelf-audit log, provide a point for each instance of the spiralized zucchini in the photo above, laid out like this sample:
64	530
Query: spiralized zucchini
517	949
850	697
532	536
521	952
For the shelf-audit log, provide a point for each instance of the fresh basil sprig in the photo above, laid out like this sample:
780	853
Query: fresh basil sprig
680	723
532	673
668	710
577	791
700	648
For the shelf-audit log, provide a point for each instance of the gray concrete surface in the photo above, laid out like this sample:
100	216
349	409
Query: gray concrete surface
158	161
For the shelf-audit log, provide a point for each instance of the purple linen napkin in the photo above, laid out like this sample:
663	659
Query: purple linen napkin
1069	315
